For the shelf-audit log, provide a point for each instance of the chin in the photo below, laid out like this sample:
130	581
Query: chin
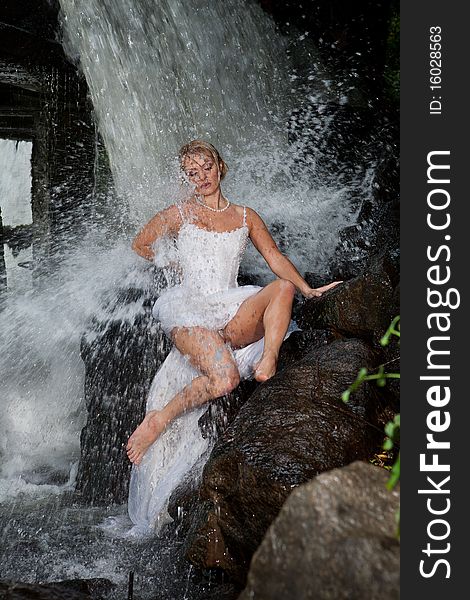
207	191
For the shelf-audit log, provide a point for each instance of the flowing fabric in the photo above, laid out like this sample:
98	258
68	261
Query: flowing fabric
208	296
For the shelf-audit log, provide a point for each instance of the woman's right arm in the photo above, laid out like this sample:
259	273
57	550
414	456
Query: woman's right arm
163	223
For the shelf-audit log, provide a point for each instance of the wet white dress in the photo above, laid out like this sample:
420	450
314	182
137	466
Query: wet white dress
208	296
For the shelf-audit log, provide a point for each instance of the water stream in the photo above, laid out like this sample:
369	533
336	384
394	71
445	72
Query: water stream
159	74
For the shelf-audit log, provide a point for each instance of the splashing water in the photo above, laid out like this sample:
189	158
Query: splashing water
162	74
42	409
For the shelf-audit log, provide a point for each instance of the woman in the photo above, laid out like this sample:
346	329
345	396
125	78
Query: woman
222	331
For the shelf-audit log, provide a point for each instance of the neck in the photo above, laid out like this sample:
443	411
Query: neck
215	200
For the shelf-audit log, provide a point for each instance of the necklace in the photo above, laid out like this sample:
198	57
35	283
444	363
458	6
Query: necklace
199	201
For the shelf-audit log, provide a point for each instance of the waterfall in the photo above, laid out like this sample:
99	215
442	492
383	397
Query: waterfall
162	73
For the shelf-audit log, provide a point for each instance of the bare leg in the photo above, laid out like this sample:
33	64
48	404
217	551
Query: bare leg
209	354
265	314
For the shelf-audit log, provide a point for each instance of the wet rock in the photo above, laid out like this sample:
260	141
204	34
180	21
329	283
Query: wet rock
301	343
377	227
292	428
121	357
361	307
76	589
221	412
334	539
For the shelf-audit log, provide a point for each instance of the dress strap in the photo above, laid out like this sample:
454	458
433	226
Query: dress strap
180	212
244	215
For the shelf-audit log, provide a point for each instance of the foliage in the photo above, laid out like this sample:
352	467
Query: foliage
392	428
392	431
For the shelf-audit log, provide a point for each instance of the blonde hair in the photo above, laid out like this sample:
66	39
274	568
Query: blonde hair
206	148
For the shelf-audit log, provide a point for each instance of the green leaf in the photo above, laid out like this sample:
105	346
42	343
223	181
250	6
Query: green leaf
394	474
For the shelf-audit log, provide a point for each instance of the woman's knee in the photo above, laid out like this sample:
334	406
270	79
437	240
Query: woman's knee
224	380
285	287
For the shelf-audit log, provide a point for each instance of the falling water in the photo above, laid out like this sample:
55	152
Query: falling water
159	74
163	73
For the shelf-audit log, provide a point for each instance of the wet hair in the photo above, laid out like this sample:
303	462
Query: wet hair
200	146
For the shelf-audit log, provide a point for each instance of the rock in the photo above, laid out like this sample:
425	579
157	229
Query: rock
292	428
301	343
76	589
222	411
334	539
121	357
361	307
220	414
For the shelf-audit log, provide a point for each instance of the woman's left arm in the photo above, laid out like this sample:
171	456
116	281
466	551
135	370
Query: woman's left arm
279	264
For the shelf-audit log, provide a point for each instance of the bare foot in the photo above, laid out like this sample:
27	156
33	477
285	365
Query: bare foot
266	367
144	436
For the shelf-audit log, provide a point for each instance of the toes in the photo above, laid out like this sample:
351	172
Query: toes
132	454
135	457
259	376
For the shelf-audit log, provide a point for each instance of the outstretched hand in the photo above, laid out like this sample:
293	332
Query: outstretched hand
317	292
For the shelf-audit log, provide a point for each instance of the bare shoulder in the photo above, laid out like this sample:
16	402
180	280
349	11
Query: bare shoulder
250	213
253	219
166	220
171	214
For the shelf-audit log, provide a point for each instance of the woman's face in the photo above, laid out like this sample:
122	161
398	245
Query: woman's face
203	172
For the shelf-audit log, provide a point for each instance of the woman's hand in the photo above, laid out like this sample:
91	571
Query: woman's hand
317	292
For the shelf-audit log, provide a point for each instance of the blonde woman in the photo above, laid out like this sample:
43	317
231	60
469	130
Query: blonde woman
221	332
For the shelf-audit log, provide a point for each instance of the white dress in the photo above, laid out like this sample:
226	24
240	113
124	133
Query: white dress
208	296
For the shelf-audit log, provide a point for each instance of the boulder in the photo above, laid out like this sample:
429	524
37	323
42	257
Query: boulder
220	414
292	428
361	307
121	356
334	539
